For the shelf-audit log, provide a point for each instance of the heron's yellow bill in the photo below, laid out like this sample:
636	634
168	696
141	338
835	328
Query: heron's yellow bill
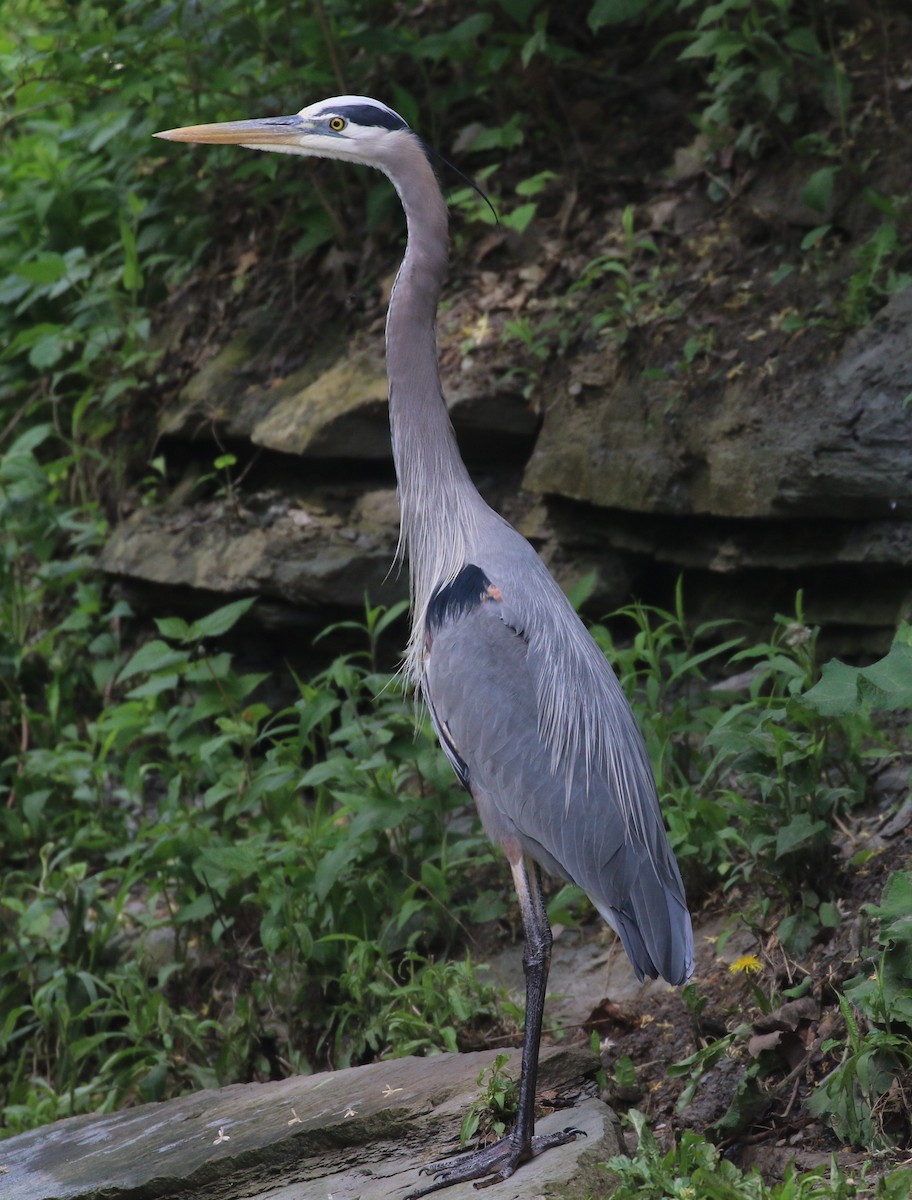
260	131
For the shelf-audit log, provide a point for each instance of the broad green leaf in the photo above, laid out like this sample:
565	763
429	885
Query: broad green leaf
332	865
220	621
520	218
153	656
47	268
613	12
818	191
896	901
535	183
221	865
174	628
47	351
28	441
804	41
197	909
885	685
799	830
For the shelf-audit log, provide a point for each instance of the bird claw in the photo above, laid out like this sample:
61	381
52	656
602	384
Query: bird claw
490	1165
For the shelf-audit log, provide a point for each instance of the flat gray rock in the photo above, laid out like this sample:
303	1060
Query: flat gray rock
358	1134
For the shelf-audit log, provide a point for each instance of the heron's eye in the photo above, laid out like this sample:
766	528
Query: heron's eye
337	124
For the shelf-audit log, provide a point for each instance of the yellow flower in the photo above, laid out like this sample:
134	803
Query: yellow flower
747	964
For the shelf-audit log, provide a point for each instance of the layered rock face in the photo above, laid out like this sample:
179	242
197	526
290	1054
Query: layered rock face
753	490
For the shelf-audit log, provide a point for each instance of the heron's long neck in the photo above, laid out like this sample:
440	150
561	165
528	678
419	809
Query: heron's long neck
438	502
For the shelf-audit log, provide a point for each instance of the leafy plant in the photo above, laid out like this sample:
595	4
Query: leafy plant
762	53
867	1097
635	295
491	1114
884	686
306	850
749	786
876	277
693	1169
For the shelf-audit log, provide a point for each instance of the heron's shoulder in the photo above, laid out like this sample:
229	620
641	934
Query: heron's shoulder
470	588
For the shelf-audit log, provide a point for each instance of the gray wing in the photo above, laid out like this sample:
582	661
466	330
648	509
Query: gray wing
480	686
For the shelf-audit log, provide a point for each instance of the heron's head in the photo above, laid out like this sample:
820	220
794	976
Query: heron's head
354	128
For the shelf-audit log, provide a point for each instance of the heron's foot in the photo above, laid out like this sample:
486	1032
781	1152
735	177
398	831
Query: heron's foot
492	1164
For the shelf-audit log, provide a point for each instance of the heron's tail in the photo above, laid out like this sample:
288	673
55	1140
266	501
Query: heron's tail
654	927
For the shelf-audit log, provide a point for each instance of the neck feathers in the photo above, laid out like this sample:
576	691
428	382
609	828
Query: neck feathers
438	502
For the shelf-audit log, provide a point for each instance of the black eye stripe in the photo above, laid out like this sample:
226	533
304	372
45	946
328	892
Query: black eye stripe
366	114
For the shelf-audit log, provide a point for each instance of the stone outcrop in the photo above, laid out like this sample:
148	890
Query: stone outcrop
365	1133
833	443
752	489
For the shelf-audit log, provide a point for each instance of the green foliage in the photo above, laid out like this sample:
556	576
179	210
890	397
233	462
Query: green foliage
99	221
693	1169
196	888
750	786
884	686
616	293
695	1066
876	277
495	1109
762	54
635	293
51	604
867	1098
492	207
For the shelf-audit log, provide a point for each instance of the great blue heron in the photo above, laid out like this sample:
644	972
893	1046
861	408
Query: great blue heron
525	705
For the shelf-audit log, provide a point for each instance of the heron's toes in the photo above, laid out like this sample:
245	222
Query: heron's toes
492	1164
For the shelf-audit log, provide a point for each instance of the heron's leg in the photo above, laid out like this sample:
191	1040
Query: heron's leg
499	1161
536	966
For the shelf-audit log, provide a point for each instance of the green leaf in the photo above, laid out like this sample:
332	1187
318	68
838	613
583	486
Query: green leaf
714	43
803	41
319	230
500	137
818	191
46	268
331	867
520	218
811	239
796	932
153	656
220	866
197	909
885	685
896	901
580	591
220	621
28	441
613	12
797	832
174	628
535	183
132	274
48	350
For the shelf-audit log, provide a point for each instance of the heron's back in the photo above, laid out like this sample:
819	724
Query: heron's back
483	685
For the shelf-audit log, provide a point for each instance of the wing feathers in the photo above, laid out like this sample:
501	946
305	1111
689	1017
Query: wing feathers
480	682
